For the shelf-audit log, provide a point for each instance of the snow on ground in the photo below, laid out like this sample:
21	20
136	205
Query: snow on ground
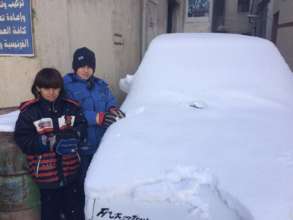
7	121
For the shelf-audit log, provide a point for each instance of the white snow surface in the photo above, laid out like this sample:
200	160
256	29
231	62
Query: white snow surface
7	121
125	83
203	109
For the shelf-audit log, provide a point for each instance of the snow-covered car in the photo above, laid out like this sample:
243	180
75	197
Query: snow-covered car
208	135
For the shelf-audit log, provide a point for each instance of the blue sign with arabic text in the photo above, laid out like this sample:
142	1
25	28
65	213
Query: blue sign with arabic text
15	28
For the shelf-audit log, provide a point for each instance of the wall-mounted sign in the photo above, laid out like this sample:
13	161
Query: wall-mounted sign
15	28
197	8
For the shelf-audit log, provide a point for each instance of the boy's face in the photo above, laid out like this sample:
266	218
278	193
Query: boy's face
49	94
84	72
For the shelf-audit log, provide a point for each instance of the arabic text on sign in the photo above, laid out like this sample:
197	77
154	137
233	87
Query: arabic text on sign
19	44
13	17
16	4
13	30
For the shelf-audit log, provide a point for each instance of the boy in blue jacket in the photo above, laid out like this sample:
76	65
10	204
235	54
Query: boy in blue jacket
97	102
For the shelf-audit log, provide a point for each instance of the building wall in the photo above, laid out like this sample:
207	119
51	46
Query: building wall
109	27
154	20
285	29
200	24
179	17
235	22
270	14
181	23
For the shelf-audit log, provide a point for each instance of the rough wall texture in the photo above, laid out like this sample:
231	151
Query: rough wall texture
16	78
284	43
200	24
154	20
234	21
285	30
109	27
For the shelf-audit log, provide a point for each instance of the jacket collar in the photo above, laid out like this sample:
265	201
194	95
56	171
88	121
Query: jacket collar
51	106
73	77
76	77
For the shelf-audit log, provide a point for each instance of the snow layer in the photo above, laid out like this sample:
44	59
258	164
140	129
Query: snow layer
7	121
216	102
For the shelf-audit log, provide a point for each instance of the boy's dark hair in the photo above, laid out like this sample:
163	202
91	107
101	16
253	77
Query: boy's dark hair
48	78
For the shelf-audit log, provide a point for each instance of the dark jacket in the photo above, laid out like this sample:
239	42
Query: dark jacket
49	169
94	97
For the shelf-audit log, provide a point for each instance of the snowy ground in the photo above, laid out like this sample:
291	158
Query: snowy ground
7	121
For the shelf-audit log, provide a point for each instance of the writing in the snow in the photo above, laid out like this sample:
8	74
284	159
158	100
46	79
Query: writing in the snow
108	214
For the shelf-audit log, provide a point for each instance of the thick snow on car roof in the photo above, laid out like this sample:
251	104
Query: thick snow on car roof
208	64
204	109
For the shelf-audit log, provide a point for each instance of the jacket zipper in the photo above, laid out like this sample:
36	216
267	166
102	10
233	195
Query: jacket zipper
38	165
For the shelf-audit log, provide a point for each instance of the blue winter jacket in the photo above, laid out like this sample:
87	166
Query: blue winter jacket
92	101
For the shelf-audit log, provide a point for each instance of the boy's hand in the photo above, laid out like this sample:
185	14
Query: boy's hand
112	116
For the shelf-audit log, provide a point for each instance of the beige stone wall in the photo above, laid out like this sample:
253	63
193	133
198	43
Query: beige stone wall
111	28
235	22
285	34
154	21
284	43
285	7
200	24
16	78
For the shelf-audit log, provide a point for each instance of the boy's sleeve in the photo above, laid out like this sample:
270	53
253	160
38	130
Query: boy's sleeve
89	115
26	136
111	100
80	125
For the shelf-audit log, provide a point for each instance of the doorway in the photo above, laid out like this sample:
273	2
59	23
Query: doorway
218	16
275	28
172	16
150	23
